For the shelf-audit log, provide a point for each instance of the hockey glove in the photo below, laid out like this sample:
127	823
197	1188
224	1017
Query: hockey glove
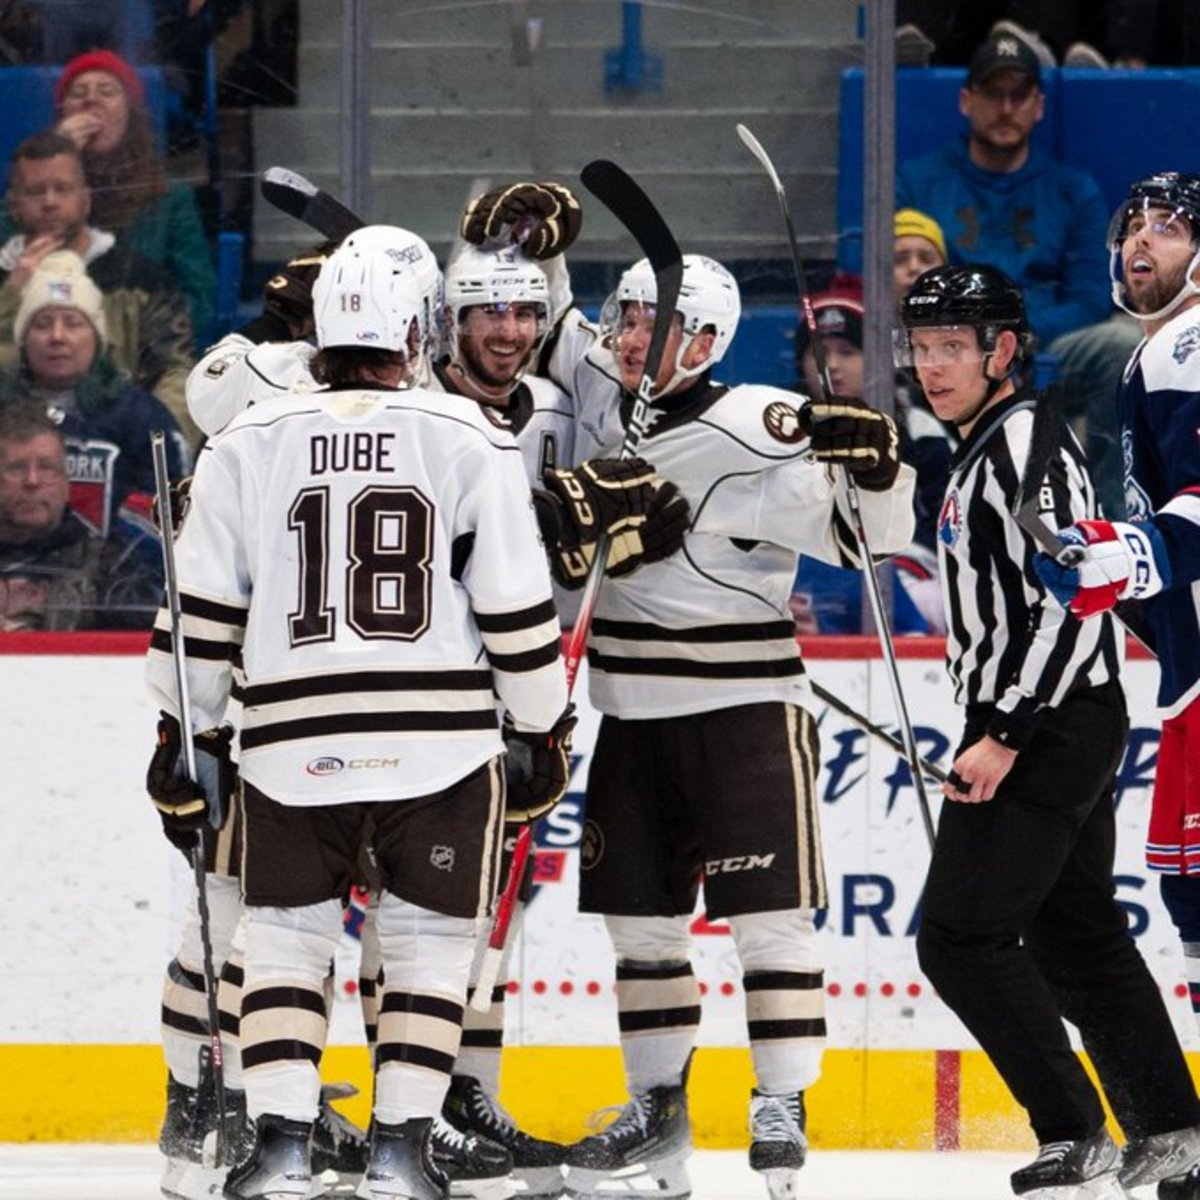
537	767
185	805
179	494
1103	562
542	218
288	293
848	432
613	496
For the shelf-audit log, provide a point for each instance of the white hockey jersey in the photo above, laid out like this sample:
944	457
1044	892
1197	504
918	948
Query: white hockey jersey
375	556
710	627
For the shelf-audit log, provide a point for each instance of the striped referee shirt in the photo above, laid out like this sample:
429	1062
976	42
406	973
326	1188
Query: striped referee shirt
1011	649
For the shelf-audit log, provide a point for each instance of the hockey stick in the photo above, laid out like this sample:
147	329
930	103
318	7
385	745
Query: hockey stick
158	451
860	530
291	193
1044	444
876	731
633	208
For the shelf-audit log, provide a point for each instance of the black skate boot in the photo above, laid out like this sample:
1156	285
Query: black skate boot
181	1141
1185	1187
1082	1170
401	1165
1160	1156
537	1163
475	1167
339	1147
645	1149
278	1167
777	1140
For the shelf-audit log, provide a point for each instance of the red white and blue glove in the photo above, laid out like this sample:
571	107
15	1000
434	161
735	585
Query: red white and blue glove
1103	562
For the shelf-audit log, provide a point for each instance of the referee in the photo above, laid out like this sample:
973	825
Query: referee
1020	928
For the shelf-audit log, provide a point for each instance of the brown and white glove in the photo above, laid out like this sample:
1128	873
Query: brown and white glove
646	516
537	767
542	218
848	432
288	293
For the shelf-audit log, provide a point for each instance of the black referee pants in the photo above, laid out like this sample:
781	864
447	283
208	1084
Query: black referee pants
1020	929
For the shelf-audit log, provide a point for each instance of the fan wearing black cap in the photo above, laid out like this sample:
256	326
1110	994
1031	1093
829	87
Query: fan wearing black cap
1001	199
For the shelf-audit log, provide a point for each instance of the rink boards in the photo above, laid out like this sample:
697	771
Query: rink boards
92	896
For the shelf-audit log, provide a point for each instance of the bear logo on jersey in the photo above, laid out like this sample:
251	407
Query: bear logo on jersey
442	857
783	422
950	519
1185	343
591	845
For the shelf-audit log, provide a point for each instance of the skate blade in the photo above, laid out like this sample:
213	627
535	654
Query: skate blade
665	1181
781	1182
539	1183
1103	1187
499	1187
191	1181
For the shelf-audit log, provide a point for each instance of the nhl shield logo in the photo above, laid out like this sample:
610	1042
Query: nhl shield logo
783	422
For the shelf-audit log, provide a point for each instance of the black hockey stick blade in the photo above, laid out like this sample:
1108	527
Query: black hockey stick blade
1044	441
624	198
291	193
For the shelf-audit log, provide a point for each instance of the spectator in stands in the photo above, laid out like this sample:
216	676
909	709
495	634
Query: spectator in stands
64	372
55	572
1003	201
920	246
828	597
102	110
146	315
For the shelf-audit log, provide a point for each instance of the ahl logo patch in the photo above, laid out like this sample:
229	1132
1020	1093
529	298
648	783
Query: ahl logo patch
1185	343
950	520
783	422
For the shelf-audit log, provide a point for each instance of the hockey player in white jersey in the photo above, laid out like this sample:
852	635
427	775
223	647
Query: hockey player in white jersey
707	755
374	555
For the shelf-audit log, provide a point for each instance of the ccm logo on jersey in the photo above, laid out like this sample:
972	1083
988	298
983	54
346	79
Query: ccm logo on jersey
740	862
329	765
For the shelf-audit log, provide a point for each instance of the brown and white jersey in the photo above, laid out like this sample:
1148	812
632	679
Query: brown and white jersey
375	557
710	627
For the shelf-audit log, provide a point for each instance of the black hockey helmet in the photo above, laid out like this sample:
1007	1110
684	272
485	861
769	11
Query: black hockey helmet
1174	191
977	295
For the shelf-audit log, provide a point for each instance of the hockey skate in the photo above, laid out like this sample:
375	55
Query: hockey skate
476	1167
644	1150
1160	1156
1185	1187
777	1141
401	1164
1082	1170
537	1164
278	1168
339	1147
181	1140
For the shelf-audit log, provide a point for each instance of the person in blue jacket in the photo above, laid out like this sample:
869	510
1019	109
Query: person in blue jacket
1002	200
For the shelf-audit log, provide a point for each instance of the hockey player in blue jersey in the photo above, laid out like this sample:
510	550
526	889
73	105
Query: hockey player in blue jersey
1154	241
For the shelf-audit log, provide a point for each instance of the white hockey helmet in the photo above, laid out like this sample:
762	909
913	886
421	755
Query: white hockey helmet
708	299
496	277
373	287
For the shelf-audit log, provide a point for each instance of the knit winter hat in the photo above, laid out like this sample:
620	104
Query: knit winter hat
61	281
912	223
100	60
